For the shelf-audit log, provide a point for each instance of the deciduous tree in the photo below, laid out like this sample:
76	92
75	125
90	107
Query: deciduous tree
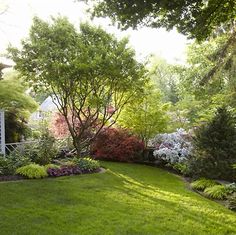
194	18
87	71
147	116
16	104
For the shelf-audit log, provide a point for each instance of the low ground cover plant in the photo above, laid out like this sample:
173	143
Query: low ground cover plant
75	166
86	164
32	171
219	192
215	190
202	184
64	170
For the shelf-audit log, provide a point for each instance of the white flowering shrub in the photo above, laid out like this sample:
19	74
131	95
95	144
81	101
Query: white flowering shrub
172	147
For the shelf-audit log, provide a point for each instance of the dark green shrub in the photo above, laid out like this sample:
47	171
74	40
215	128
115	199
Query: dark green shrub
181	167
217	192
40	152
15	126
10	163
32	171
231	202
45	150
86	164
6	167
203	183
215	147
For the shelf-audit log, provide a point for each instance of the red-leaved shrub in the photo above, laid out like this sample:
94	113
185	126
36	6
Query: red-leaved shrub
59	127
117	145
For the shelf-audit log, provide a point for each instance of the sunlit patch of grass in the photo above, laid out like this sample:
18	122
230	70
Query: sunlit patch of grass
127	199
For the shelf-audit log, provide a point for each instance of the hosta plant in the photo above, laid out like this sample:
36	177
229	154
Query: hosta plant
203	183
86	164
172	147
32	171
231	187
231	202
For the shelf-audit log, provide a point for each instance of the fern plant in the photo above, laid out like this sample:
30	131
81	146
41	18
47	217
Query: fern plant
203	183
217	192
32	171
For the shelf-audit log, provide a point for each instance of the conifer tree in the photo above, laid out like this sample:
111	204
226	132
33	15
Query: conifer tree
215	147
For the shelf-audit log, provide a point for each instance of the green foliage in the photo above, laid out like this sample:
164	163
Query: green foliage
46	149
86	163
54	166
87	71
216	192
13	94
32	171
208	80
43	150
17	106
215	147
165	77
181	167
6	166
196	18
10	163
231	202
231	187
146	116
15	126
203	183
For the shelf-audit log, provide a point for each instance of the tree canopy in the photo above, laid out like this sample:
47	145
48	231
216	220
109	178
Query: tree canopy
146	116
13	94
194	18
90	73
16	104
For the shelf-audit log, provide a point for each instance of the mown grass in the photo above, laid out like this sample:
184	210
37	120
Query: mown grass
127	199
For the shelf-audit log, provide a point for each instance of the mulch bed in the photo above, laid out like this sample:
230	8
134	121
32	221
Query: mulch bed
11	177
19	177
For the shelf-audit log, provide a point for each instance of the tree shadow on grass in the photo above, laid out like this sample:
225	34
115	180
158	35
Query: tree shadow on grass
177	202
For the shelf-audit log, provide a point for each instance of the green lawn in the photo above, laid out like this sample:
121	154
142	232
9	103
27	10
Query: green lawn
127	199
